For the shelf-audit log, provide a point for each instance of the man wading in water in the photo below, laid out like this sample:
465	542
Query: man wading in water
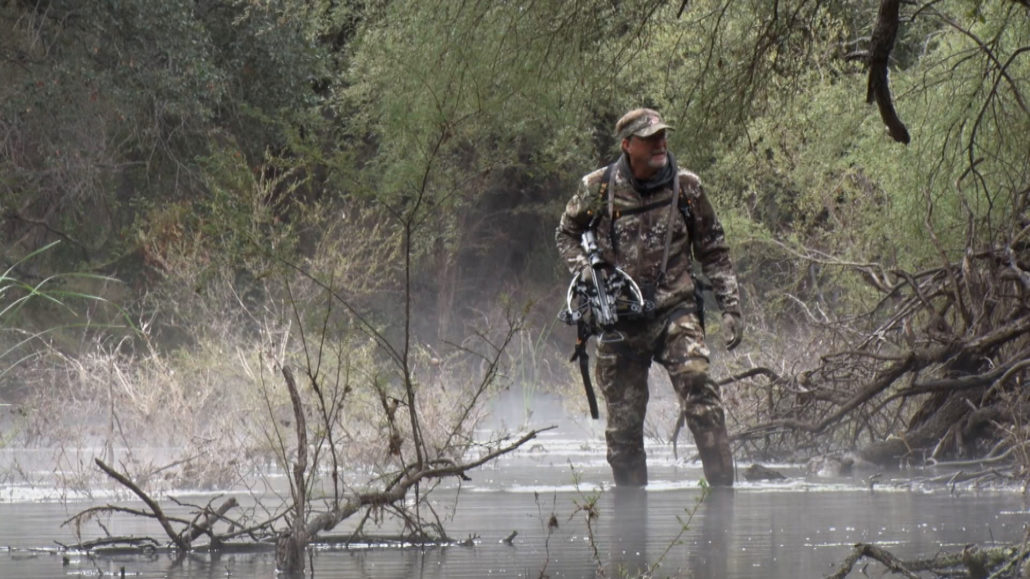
639	229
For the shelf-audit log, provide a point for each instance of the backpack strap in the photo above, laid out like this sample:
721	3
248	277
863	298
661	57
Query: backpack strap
606	191
673	203
603	194
687	213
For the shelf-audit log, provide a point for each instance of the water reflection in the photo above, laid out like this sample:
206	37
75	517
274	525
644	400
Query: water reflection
627	553
709	556
794	528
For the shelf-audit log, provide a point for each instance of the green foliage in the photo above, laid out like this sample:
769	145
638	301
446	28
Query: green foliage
232	228
108	106
63	299
817	173
472	111
488	112
191	147
98	88
973	120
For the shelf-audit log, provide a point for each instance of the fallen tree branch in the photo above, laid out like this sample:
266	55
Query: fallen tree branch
397	491
912	361
139	542
879	384
973	561
210	517
873	552
151	503
995	375
934	370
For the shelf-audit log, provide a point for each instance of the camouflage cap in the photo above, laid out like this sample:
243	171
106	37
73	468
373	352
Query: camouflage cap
640	123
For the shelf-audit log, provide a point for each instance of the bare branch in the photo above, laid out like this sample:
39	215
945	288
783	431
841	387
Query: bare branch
878	89
151	503
760	371
290	550
873	552
398	490
202	526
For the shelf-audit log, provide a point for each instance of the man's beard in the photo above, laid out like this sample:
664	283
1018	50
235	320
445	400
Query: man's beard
660	180
656	162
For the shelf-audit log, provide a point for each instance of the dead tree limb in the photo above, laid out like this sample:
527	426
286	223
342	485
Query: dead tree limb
139	542
881	382
971	561
201	524
398	490
205	520
151	504
914	359
878	88
965	365
873	552
750	373
998	374
289	553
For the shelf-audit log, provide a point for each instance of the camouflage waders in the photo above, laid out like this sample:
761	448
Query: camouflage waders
677	342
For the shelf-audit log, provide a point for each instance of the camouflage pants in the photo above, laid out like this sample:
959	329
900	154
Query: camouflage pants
678	344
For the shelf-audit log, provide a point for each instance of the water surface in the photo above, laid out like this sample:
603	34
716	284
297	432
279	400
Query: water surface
801	527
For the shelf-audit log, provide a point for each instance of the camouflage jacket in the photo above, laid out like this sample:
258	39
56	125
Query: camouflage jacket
640	233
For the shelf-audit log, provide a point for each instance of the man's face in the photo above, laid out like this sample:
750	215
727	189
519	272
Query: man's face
646	155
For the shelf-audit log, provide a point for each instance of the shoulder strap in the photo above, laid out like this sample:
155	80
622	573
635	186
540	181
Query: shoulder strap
607	191
604	192
688	215
608	186
673	204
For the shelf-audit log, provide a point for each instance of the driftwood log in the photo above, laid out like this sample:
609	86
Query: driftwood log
972	561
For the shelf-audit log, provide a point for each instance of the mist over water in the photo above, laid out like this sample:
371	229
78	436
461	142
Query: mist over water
542	494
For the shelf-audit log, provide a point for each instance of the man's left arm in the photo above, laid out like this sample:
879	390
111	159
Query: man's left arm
713	253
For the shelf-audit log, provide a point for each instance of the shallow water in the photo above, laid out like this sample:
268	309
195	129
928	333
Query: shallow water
802	527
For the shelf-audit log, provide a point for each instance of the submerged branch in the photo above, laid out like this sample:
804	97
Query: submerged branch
971	561
398	490
138	542
151	504
873	552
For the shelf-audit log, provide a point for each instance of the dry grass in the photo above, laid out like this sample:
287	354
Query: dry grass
213	412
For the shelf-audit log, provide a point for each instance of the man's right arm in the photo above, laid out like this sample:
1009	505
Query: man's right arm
574	221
